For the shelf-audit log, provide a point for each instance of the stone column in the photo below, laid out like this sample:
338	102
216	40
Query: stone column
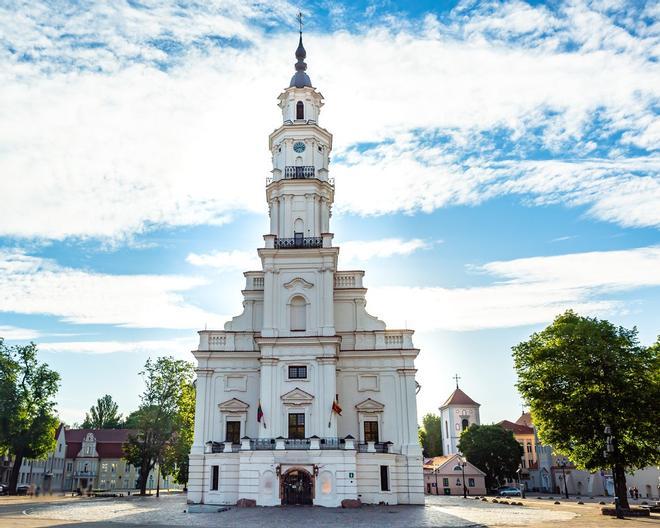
196	473
328	322
274	215
309	212
325	216
268	302
328	386
267	394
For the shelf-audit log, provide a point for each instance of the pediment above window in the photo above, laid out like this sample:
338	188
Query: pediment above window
234	405
297	397
371	406
298	281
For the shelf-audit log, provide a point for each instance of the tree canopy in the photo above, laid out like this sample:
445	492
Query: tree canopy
27	407
493	450
159	417
430	435
103	415
581	374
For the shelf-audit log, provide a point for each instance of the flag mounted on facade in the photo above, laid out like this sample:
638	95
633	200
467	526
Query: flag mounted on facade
336	408
260	415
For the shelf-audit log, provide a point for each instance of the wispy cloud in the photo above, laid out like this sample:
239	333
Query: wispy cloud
15	333
120	117
34	285
234	260
356	251
525	291
179	347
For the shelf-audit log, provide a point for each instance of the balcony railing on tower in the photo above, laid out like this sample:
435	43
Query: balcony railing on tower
299	173
298	242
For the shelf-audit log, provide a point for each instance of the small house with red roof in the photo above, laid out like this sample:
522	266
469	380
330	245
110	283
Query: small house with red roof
452	475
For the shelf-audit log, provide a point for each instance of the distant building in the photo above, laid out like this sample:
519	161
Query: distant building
45	473
457	414
443	475
541	469
95	460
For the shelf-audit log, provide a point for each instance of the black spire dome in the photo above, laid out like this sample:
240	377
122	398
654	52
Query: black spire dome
300	79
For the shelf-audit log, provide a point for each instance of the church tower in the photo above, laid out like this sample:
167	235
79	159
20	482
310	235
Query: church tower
457	414
304	398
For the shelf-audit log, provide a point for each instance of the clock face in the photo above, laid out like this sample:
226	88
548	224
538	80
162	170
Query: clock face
299	146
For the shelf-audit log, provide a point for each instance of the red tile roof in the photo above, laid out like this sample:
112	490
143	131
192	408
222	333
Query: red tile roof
109	442
525	419
458	397
516	428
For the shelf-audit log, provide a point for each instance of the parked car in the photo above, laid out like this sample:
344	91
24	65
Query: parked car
22	489
3	489
508	491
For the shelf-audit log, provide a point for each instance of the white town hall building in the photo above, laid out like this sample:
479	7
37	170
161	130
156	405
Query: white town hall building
304	398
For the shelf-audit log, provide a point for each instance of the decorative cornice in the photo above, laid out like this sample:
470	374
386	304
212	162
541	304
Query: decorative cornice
298	280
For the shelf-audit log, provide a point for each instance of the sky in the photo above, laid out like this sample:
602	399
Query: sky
496	163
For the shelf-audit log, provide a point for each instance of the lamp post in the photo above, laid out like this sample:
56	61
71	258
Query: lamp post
562	464
609	455
461	462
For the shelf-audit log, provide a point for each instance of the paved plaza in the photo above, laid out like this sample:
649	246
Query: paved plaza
170	510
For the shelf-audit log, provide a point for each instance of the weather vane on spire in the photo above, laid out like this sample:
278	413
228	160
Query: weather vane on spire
456	377
300	22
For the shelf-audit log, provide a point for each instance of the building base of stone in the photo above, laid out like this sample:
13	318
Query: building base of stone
323	477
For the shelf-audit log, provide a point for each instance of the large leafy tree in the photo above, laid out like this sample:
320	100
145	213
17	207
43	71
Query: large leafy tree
175	461
430	435
493	450
581	374
27	407
103	415
157	420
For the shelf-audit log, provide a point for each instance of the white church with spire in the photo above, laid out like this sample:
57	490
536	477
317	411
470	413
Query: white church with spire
457	414
304	398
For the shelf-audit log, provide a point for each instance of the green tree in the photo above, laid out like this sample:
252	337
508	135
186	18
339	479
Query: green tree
581	374
157	418
27	408
430	435
103	415
493	450
175	461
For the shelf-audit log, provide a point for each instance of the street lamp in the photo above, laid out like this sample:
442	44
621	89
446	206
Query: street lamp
562	464
609	455
461	462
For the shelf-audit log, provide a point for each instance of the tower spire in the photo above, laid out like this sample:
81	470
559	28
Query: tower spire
457	377
300	79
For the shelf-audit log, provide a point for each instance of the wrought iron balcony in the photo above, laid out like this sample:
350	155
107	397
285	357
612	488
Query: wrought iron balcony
299	173
298	242
298	444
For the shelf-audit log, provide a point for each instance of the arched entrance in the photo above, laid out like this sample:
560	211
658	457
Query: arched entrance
297	487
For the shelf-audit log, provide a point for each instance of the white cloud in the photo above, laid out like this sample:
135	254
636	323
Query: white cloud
33	285
89	154
355	251
13	333
533	290
234	260
179	347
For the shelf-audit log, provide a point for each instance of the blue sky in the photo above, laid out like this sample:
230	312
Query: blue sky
495	164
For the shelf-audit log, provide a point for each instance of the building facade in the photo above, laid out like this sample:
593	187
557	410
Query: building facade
95	461
304	398
544	471
452	475
45	473
457	414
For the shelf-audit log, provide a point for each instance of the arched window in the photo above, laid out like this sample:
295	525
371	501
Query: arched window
298	231
298	314
300	110
465	424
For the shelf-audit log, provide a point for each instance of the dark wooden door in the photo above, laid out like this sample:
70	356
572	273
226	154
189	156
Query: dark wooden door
297	488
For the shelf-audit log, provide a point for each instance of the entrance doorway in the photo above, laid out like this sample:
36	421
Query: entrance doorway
297	487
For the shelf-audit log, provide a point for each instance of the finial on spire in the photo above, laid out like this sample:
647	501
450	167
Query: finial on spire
300	79
456	377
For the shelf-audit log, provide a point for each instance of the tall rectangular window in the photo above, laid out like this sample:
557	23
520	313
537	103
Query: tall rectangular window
215	470
233	432
384	478
297	425
297	372
371	431
470	483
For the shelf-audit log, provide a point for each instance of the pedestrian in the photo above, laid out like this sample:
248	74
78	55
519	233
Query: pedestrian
636	492
632	493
